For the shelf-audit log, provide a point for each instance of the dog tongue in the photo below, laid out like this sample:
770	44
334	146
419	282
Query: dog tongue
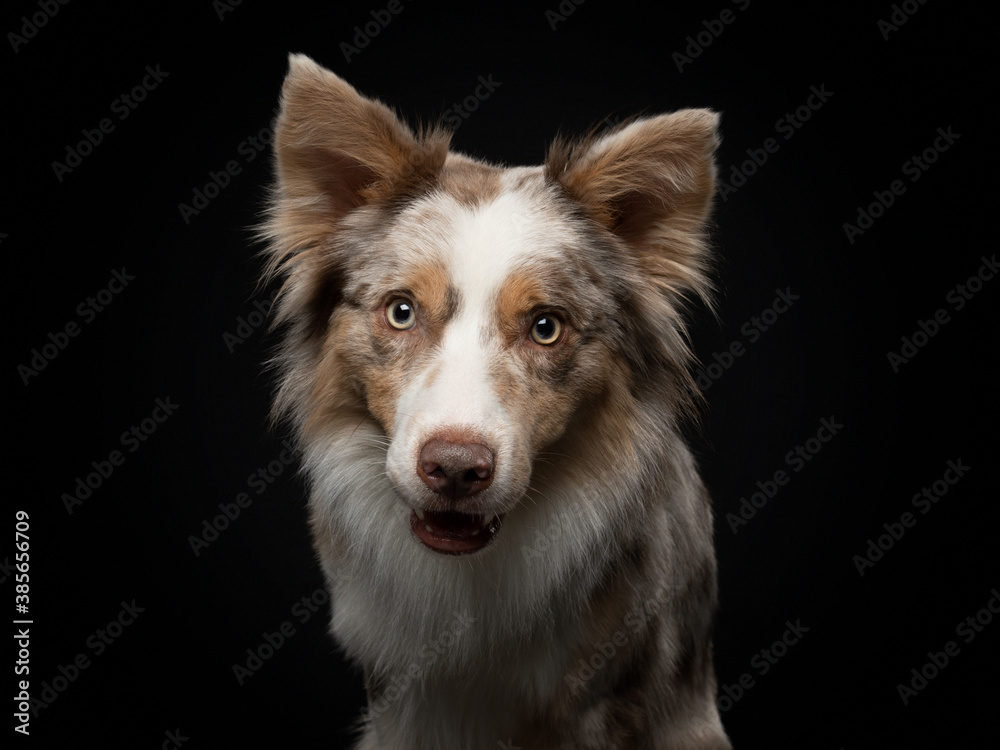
452	533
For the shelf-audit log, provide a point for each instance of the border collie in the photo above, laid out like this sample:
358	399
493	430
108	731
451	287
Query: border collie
487	370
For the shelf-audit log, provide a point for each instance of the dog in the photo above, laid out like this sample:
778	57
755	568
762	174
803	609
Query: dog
487	371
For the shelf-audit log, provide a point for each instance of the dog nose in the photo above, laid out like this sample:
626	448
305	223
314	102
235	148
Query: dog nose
455	470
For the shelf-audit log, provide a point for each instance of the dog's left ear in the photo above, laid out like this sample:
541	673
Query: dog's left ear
651	183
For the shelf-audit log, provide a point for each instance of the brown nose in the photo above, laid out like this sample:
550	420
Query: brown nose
455	470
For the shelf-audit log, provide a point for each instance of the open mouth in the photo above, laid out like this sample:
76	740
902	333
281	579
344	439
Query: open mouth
453	533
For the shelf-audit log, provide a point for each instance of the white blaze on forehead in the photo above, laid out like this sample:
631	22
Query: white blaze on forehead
486	243
480	246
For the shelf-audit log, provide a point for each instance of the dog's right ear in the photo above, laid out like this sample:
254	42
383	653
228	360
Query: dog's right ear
335	151
339	150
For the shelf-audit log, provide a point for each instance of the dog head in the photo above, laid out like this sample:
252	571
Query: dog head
474	319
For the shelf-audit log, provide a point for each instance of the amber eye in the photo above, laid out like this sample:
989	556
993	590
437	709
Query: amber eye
401	314
546	330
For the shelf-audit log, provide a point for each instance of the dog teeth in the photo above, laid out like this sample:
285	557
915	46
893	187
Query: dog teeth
487	520
420	513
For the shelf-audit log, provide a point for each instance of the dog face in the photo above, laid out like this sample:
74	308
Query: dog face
472	345
479	316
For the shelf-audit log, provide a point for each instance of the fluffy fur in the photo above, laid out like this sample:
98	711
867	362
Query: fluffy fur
420	289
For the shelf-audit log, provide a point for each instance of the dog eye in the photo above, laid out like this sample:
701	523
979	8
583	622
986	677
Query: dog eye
400	314
546	330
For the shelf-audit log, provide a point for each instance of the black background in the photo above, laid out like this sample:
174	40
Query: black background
162	337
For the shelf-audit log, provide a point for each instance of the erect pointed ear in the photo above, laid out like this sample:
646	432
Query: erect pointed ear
651	183
337	146
335	151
